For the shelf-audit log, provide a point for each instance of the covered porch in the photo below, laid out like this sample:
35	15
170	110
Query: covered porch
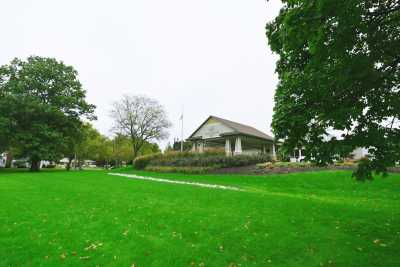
236	145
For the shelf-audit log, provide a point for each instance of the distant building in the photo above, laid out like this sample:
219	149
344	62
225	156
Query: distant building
360	153
235	138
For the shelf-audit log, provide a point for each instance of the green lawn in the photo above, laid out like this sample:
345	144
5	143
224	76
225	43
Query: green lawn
89	218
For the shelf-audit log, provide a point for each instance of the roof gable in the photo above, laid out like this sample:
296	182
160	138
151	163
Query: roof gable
211	128
235	128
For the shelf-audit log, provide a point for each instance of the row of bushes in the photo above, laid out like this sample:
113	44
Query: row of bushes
206	160
279	164
272	165
191	170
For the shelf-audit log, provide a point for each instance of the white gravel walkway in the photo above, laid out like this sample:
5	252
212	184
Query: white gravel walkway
214	186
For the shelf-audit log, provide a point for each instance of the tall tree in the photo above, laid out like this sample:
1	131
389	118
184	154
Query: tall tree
43	103
339	71
142	119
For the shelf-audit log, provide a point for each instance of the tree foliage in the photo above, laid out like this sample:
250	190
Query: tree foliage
104	150
94	146
339	72
142	119
122	149
41	106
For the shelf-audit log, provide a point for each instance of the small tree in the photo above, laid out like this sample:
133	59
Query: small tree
42	102
93	146
142	119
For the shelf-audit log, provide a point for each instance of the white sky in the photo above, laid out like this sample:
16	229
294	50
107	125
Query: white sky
211	56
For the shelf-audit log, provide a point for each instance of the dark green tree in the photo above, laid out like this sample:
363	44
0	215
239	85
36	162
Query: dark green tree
339	71
43	104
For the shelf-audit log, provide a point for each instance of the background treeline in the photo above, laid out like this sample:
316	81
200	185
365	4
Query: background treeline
44	116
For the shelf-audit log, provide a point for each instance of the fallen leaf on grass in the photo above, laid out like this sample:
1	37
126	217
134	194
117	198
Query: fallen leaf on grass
94	246
63	256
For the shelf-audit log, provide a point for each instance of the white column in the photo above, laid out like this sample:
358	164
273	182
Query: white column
194	147
299	154
201	147
238	146
228	148
273	151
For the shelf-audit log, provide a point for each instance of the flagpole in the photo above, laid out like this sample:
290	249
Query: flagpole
182	132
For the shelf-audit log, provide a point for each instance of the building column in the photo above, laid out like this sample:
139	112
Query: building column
273	151
228	151
201	147
194	147
299	154
238	146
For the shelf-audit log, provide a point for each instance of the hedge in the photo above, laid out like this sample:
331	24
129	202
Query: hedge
280	164
212	159
141	162
192	170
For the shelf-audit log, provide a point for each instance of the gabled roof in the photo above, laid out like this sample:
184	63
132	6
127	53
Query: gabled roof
238	129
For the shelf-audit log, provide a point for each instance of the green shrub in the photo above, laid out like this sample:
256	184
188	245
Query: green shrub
345	163
272	165
195	162
192	170
187	159
141	162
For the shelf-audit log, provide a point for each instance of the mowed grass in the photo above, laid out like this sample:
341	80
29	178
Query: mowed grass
89	218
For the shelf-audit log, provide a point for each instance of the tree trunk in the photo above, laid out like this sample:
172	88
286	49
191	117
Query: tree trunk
68	166
136	149
35	165
9	160
134	154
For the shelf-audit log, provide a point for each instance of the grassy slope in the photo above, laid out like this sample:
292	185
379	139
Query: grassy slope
305	219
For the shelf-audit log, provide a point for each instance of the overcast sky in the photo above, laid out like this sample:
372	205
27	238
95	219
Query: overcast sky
210	56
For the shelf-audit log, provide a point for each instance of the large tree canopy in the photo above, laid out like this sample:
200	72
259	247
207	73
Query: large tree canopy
339	72
42	103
